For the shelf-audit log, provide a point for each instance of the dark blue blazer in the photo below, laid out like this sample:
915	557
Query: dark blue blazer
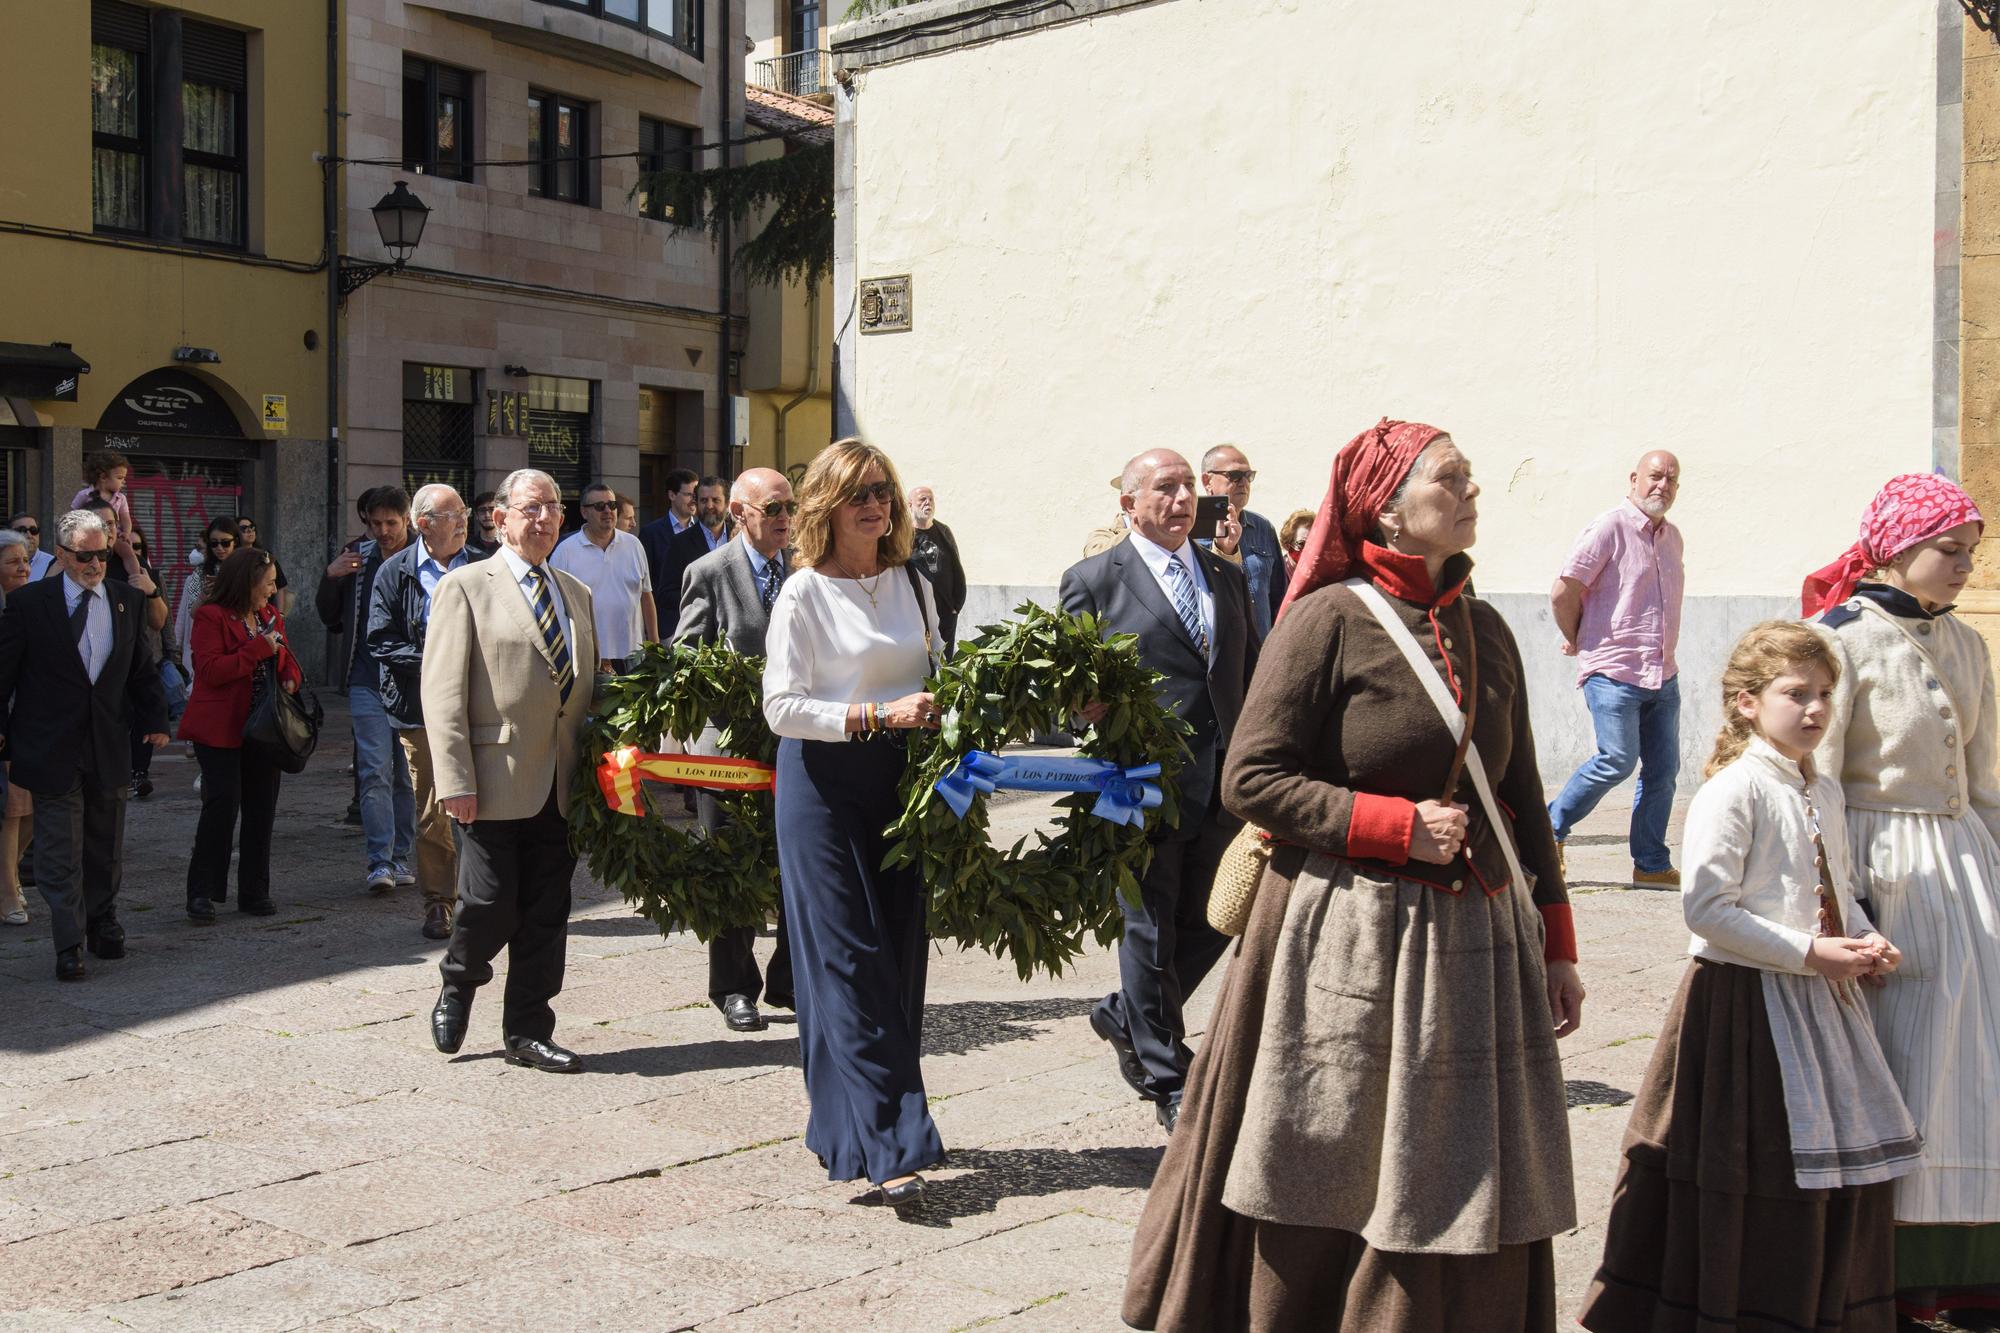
58	724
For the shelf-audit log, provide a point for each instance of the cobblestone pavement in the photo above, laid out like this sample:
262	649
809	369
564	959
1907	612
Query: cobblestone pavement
245	1126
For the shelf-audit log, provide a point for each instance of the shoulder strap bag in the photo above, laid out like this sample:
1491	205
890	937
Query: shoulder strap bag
282	725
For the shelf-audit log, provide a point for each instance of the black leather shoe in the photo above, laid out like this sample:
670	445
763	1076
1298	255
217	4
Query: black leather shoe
906	1198
543	1055
262	907
1129	1067
69	964
1169	1115
448	1019
437	921
106	939
201	911
740	1013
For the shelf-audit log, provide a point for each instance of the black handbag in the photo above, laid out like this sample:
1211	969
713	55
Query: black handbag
282	725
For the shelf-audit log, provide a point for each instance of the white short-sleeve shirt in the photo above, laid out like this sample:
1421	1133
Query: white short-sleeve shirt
616	575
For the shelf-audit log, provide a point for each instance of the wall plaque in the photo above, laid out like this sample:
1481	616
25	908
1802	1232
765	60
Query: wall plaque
885	304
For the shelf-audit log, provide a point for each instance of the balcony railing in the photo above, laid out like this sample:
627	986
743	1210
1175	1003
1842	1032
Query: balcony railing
800	74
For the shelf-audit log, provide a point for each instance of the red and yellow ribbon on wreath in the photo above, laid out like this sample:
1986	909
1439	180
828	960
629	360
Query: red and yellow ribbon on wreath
619	776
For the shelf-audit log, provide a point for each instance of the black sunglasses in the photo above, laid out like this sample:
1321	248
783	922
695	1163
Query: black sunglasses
224	542
881	492
1236	475
777	507
89	557
30	531
601	505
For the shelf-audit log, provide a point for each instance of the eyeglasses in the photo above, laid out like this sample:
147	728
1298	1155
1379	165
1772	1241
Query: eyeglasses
1236	475
31	530
777	507
454	517
881	492
88	557
599	506
221	543
535	511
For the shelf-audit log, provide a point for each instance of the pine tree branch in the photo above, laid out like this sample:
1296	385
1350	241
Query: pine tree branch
792	193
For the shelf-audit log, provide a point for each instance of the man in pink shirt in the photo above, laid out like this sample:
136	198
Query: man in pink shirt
1618	605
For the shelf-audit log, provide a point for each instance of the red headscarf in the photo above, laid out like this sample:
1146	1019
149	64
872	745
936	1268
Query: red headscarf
1366	472
1912	508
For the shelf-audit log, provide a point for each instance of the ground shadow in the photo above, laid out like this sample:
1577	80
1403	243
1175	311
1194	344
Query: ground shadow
964	1026
692	1058
1584	1092
992	1174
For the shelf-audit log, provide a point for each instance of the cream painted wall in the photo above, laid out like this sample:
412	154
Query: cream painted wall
1566	233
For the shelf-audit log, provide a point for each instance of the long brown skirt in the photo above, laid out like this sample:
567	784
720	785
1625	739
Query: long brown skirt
1708	1227
1199	1268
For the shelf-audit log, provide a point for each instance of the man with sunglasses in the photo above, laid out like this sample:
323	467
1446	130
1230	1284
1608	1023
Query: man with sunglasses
726	597
612	564
39	561
708	532
75	674
1246	538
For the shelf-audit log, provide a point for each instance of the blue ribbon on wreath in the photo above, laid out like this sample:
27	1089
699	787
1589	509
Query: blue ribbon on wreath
1123	794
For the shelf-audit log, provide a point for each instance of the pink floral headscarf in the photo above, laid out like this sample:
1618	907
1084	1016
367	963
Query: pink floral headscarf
1912	508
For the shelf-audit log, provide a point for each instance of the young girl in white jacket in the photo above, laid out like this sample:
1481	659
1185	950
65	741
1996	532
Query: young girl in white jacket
1755	1187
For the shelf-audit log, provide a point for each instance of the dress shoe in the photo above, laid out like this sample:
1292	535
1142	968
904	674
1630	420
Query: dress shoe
448	1019
740	1013
106	939
69	964
1169	1115
1669	878
201	911
142	786
261	907
1129	1067
437	921
906	1198
543	1055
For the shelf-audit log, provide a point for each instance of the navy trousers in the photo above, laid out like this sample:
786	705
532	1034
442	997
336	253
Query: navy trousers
859	960
1167	948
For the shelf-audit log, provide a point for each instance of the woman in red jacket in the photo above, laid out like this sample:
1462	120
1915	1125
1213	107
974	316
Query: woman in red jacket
237	638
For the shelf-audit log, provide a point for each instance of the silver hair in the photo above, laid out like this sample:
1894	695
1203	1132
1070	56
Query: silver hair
9	537
428	495
77	522
504	496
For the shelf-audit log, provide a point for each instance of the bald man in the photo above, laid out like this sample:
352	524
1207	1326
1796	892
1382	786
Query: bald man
1190	610
1617	604
725	597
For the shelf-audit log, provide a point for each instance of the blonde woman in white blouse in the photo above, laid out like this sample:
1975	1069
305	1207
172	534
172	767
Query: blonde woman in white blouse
1757	1187
853	635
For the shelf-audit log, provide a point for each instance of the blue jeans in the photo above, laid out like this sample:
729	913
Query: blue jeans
1637	729
388	802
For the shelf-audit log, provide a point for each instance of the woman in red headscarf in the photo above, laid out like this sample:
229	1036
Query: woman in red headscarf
1374	1135
1912	741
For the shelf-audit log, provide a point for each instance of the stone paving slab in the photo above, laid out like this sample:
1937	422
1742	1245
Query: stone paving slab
244	1126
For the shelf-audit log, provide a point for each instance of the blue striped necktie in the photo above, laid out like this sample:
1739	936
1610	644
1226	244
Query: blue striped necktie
552	635
1187	603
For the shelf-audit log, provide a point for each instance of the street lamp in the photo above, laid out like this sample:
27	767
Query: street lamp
399	217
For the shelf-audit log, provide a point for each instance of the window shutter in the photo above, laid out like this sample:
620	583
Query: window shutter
454	82
115	23
214	55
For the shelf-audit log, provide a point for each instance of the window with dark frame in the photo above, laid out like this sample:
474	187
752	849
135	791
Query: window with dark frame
437	119
802	32
215	164
666	147
679	21
559	145
119	39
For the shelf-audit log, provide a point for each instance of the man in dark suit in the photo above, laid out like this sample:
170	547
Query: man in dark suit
1191	612
708	533
75	675
726	597
658	535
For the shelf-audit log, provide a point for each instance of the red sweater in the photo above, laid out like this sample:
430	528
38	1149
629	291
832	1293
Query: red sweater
226	658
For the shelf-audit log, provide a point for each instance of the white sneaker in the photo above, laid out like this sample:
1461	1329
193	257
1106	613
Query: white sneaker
381	879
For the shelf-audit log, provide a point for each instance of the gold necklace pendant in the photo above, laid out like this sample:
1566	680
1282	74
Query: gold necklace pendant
865	588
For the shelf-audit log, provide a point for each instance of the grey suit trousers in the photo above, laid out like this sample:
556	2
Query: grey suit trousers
80	856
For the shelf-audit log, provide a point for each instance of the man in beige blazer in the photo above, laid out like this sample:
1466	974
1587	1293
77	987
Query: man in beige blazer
504	704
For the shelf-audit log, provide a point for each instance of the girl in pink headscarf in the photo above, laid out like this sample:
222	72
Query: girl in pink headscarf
1912	741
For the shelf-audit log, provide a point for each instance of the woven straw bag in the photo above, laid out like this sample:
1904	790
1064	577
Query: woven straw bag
1235	887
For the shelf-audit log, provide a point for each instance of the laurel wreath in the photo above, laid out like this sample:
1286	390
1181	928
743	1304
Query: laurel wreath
677	878
1039	904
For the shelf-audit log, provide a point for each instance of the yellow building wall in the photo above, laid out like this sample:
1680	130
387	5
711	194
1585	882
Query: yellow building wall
126	309
1979	319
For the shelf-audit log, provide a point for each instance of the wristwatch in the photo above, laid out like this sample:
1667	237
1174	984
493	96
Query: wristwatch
157	593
